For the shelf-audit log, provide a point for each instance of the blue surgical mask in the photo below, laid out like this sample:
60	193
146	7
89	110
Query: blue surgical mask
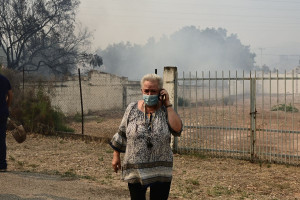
150	100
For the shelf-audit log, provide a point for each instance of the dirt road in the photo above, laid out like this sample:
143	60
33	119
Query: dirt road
49	167
35	186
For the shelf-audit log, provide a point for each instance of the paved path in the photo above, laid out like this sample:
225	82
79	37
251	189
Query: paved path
34	186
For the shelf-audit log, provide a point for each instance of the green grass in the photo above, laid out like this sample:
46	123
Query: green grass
218	190
244	195
70	174
20	163
11	158
100	158
282	186
193	182
109	151
62	142
194	154
88	177
77	117
99	120
33	165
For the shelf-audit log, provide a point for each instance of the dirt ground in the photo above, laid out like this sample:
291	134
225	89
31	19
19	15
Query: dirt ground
38	186
88	164
104	124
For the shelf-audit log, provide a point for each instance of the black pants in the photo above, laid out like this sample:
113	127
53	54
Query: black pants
158	191
3	164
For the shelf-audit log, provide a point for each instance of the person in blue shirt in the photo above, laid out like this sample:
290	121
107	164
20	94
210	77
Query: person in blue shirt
5	102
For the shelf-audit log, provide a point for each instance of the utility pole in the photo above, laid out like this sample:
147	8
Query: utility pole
261	50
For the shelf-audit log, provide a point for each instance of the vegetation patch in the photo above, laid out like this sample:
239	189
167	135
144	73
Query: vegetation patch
32	107
218	190
193	182
77	117
183	102
285	108
37	115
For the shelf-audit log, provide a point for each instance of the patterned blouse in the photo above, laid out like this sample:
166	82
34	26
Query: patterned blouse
146	143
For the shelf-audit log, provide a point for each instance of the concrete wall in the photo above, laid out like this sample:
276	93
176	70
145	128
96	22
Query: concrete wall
100	91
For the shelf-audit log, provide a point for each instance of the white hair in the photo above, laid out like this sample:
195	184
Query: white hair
152	78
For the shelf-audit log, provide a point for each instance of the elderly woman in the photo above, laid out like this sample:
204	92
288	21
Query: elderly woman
144	135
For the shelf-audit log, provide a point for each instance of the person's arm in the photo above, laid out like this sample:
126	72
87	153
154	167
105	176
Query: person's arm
119	140
173	118
116	161
9	98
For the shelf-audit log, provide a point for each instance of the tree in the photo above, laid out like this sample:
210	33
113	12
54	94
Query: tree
39	33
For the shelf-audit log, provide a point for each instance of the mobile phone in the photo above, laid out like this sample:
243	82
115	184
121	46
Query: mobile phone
161	97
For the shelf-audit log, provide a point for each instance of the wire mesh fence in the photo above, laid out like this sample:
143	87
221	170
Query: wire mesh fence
100	98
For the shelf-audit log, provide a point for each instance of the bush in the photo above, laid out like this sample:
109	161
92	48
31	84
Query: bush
284	107
32	107
77	117
39	116
228	101
183	102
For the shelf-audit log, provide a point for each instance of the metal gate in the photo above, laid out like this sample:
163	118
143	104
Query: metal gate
249	116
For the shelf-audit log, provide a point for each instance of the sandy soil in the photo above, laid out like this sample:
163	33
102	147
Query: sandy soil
88	165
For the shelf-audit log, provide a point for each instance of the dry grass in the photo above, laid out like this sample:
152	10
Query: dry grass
195	177
103	124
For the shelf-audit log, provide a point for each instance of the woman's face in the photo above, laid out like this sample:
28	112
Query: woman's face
150	88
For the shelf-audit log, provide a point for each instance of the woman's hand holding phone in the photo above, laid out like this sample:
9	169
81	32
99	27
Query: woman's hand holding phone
161	96
164	97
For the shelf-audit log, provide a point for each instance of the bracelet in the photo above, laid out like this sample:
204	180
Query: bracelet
170	105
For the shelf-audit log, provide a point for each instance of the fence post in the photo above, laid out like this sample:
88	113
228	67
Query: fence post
170	84
82	122
253	117
124	97
23	79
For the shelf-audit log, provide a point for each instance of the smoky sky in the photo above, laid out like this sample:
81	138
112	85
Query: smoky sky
190	49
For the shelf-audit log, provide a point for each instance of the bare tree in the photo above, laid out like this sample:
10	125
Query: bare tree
36	33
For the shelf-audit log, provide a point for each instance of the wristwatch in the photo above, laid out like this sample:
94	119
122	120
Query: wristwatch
170	105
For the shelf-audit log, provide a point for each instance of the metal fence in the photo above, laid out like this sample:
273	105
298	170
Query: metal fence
243	115
249	116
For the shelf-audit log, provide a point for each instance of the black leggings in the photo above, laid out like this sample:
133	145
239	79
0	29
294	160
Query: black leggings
158	191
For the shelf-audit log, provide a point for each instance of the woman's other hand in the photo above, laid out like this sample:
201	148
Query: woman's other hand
116	161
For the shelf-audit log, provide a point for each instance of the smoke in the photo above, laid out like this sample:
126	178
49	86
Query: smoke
190	49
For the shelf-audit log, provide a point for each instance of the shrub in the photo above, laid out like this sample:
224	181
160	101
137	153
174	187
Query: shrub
77	117
228	101
183	102
32	107
38	115
284	107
